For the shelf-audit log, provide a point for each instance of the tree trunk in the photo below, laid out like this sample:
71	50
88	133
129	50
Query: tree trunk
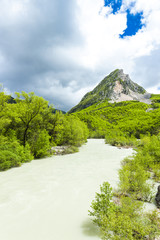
25	136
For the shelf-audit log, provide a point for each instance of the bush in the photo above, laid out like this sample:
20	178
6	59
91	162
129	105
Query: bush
102	205
123	221
133	181
118	138
40	144
12	154
156	173
75	132
71	149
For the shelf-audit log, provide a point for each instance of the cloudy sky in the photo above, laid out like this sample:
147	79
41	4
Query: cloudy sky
62	49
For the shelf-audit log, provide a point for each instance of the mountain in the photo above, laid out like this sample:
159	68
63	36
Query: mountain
116	87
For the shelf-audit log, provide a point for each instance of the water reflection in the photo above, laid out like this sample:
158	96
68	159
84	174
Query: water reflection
90	229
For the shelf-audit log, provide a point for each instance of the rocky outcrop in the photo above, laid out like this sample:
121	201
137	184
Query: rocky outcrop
157	198
116	87
126	90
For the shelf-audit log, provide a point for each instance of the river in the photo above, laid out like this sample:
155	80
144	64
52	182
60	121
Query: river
49	199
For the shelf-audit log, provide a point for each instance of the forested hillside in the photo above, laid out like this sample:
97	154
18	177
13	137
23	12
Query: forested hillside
127	118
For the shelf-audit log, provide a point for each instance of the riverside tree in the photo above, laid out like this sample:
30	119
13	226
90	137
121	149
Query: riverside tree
29	127
29	109
124	220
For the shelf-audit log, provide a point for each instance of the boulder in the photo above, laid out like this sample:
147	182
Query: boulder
157	198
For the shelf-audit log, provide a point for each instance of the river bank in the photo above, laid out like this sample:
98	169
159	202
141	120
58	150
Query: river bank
50	198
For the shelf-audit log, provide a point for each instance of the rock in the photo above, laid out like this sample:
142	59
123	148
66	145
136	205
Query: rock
157	198
116	87
59	150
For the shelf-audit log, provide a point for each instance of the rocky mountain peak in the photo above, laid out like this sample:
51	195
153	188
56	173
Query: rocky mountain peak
115	87
122	76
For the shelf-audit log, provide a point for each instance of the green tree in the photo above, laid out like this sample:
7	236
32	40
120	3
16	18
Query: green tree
40	143
56	127
4	112
75	132
102	205
12	154
29	109
124	220
133	181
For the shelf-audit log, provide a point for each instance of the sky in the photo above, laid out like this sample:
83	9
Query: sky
62	49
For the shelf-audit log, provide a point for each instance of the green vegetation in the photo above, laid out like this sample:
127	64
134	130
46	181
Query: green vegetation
125	220
12	154
119	138
29	127
155	100
124	124
128	119
133	181
136	171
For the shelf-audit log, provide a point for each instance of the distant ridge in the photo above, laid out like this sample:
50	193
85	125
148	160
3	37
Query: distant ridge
116	87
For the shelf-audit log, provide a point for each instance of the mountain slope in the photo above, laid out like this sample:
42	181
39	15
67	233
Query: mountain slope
116	87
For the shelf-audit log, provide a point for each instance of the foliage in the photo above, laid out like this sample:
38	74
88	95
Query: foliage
40	144
12	154
119	138
30	109
127	220
4	113
133	179
31	127
131	118
55	127
71	149
155	100
148	154
102	205
123	221
136	171
75	132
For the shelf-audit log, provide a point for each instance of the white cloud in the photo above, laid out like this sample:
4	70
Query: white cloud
102	33
104	50
154	89
61	49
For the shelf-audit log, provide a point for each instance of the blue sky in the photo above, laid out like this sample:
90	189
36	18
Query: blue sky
116	5
63	49
134	24
134	21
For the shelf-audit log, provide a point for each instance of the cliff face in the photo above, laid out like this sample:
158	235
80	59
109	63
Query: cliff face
116	87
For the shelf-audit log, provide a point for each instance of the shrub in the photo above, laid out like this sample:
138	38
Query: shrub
75	132
40	144
102	205
118	138
123	221
12	154
151	146
133	181
71	149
